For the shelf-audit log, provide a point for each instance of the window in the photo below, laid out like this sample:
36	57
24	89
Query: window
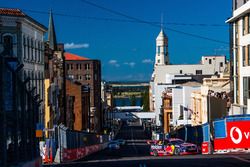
180	71
235	5
236	32
46	65
8	45
221	64
210	61
237	89
32	47
71	66
244	56
158	60
80	66
36	54
248	23
244	25
71	76
198	72
87	77
87	67
236	61
248	51
95	77
158	50
165	50
77	66
246	89
24	47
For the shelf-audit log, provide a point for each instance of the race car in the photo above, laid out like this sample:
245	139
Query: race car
173	146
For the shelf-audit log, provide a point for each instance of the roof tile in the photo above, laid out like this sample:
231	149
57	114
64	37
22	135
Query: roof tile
11	12
70	56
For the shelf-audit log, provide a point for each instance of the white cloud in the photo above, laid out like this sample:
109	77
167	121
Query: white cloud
114	63
72	45
131	64
147	61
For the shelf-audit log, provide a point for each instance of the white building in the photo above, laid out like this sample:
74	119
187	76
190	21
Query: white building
166	75
23	37
240	43
181	104
209	65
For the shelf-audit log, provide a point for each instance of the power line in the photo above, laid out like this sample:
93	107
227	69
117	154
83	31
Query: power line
150	23
125	20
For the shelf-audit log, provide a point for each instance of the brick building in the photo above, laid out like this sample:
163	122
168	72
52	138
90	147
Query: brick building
77	97
88	73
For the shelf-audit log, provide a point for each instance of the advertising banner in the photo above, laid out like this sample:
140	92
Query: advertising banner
237	136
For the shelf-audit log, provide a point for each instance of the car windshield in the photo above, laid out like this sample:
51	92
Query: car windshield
177	142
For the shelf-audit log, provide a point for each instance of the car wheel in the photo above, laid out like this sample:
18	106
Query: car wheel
177	151
155	153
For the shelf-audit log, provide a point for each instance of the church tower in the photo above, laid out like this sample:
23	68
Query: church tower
161	57
51	33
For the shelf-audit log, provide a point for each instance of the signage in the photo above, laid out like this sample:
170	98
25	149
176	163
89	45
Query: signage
205	147
238	136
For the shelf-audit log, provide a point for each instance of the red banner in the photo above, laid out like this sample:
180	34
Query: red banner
238	136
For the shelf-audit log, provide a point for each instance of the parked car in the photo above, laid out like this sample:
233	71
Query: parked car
121	142
113	145
173	146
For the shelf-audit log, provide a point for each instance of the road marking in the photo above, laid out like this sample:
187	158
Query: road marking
133	143
142	165
241	159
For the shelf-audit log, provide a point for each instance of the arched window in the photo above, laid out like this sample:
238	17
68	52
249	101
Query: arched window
32	48
24	47
7	45
28	47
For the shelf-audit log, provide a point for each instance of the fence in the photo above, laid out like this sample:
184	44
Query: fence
18	116
73	145
192	134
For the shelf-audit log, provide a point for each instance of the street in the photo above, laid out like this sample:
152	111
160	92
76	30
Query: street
136	154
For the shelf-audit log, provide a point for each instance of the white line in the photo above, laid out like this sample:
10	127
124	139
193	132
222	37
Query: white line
241	159
142	165
132	136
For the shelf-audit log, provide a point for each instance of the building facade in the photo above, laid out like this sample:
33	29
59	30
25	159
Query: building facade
54	81
167	110
78	107
240	55
88	73
23	38
212	101
166	75
22	90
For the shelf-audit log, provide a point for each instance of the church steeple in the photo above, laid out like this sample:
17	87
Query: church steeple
51	33
161	57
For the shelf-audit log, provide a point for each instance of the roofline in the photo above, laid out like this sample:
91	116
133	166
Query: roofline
27	17
239	12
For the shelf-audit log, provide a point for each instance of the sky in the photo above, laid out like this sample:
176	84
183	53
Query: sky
122	33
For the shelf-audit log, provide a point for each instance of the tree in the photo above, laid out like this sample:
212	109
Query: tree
133	100
145	100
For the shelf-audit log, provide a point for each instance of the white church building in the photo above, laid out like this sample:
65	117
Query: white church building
165	75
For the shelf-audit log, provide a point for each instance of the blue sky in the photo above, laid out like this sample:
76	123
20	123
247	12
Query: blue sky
127	49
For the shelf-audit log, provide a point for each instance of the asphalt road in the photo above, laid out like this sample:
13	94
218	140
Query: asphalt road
136	154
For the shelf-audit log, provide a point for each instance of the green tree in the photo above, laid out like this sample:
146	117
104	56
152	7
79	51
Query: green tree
145	100
133	100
